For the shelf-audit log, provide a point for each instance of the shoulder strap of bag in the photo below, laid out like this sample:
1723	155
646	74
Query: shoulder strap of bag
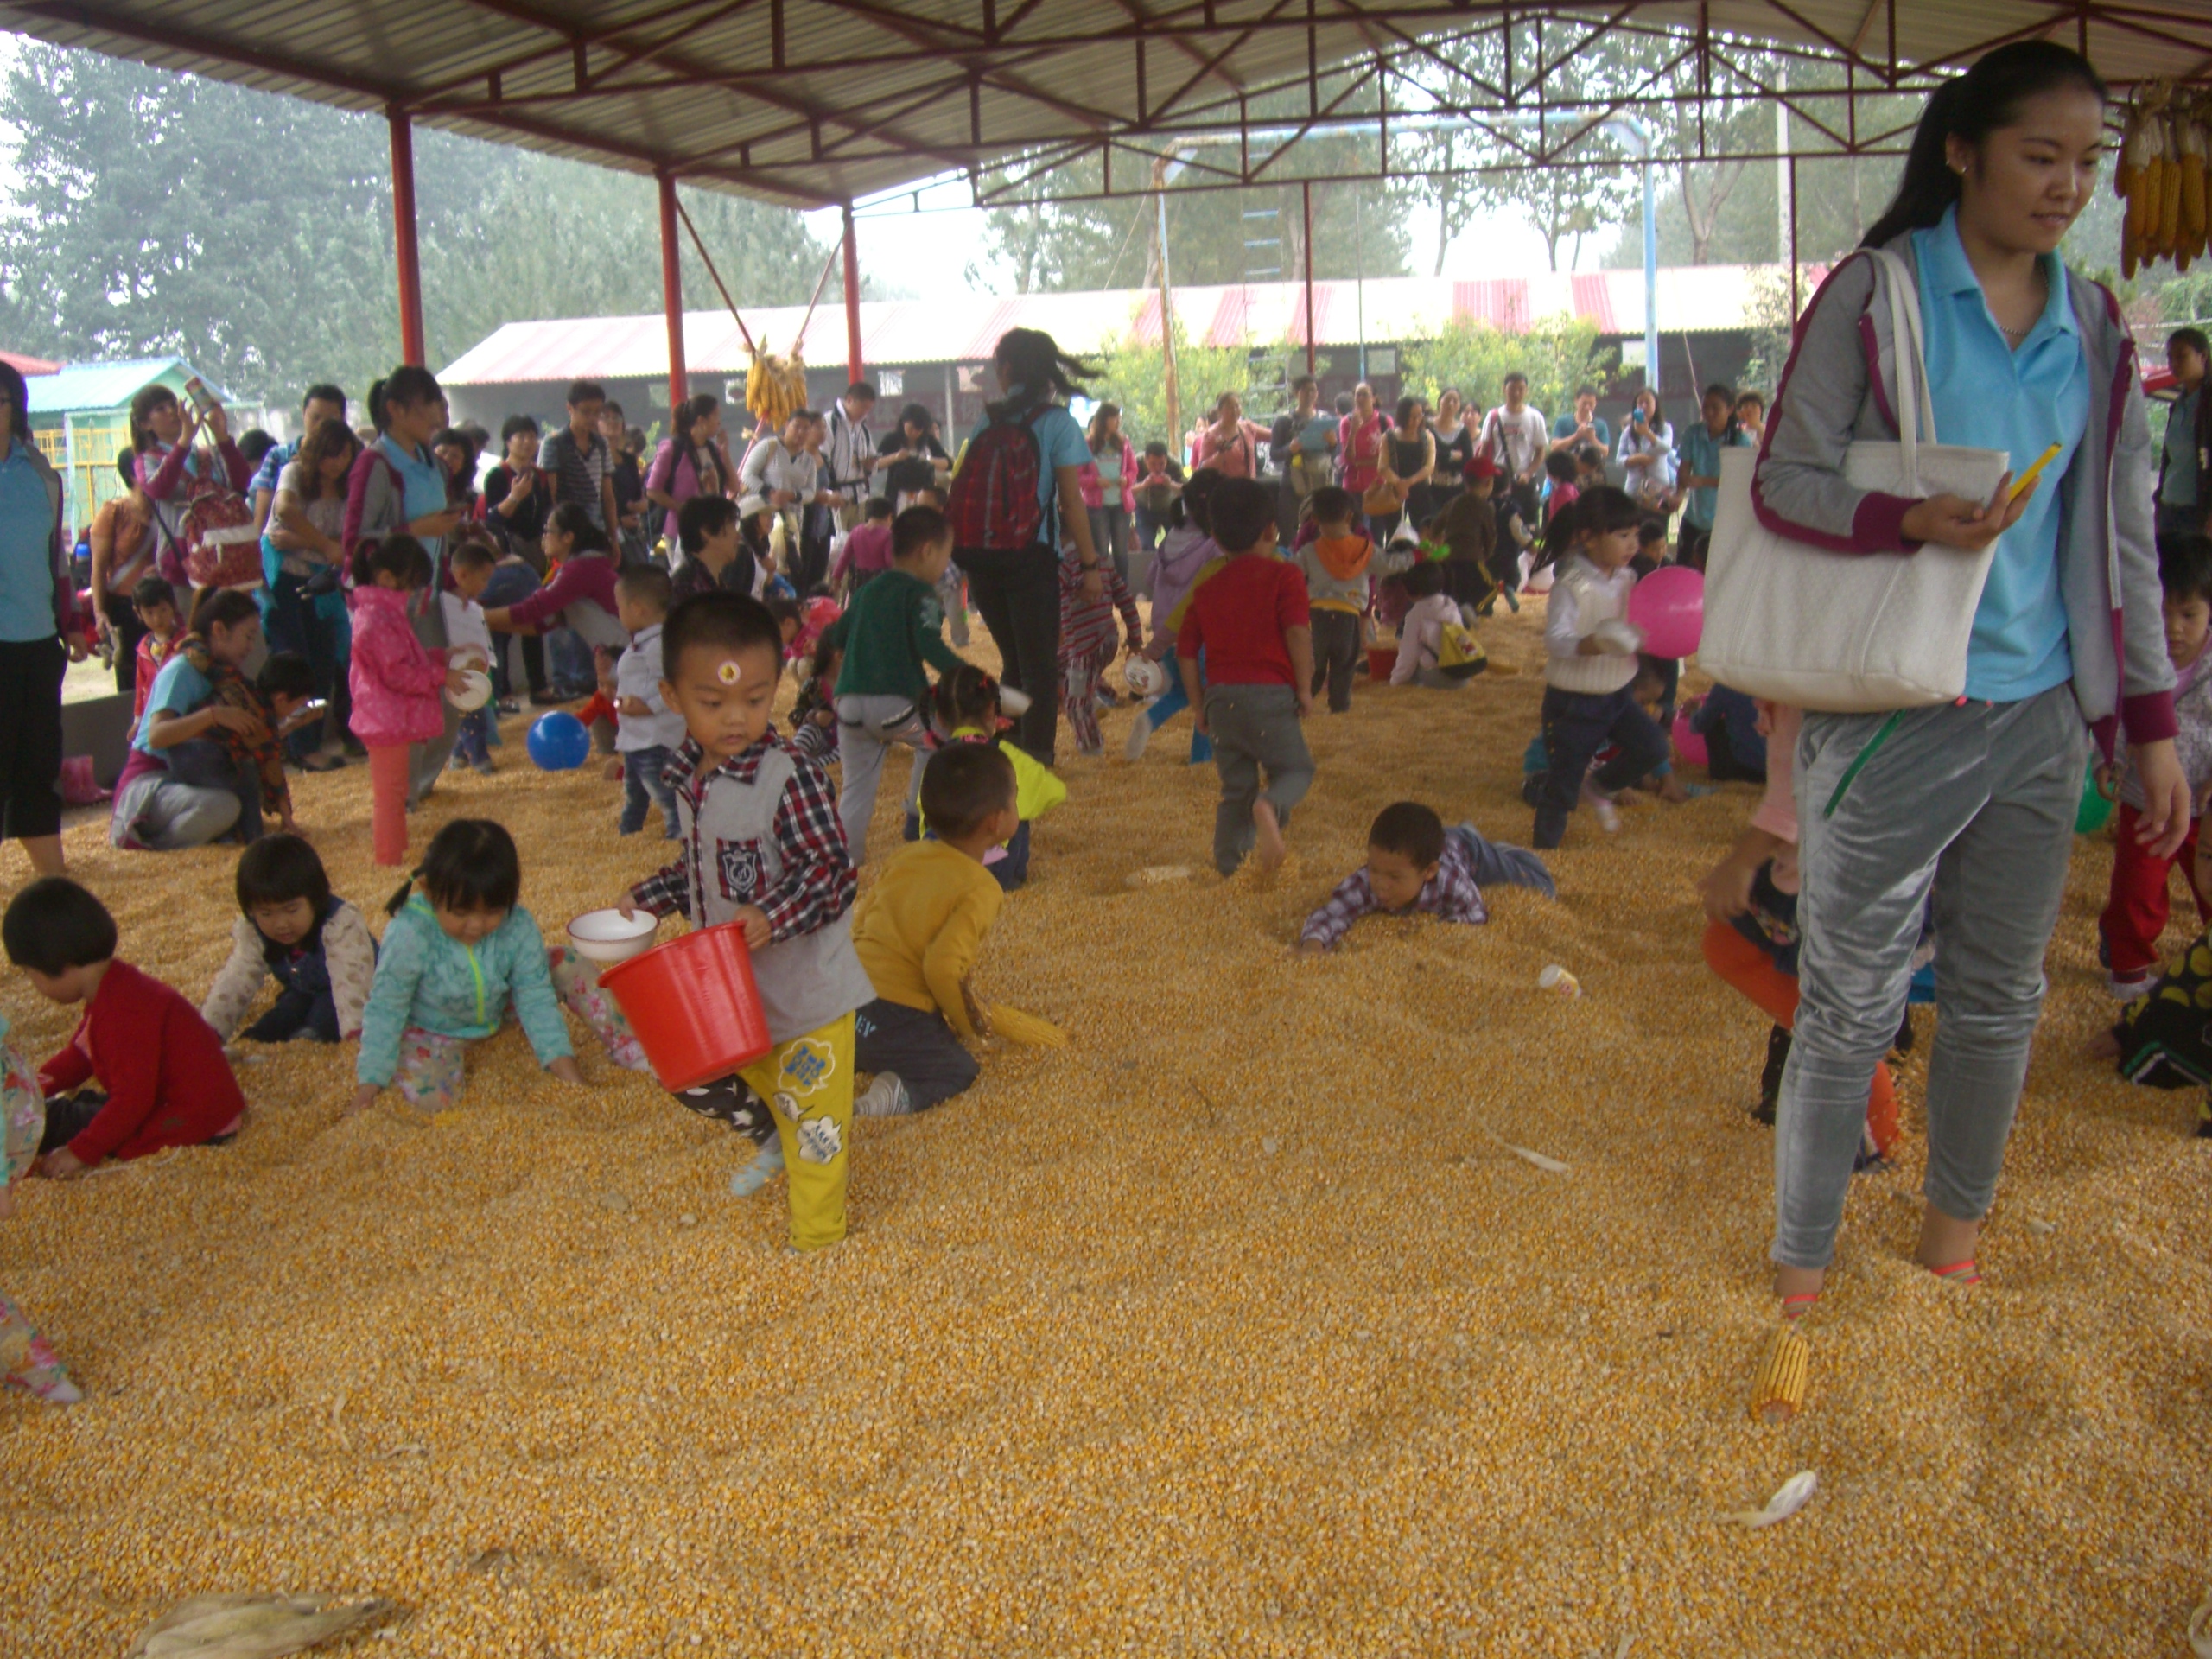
1913	397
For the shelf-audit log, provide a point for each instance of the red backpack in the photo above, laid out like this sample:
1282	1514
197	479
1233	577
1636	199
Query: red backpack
221	547
994	506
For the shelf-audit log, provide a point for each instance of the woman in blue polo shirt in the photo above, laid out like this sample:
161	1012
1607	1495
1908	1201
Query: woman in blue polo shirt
1973	801
39	633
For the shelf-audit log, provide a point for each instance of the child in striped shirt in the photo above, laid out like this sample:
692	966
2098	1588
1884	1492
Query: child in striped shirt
1416	865
1087	644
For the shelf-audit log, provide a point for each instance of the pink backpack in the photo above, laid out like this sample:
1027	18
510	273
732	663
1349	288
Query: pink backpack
221	547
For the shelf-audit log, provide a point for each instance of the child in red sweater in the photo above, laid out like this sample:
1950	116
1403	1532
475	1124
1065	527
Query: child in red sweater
1252	620
163	1080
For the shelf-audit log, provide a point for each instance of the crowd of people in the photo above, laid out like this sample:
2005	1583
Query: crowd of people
683	590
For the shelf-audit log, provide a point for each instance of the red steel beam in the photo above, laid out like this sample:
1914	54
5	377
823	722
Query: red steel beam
671	294
411	347
853	363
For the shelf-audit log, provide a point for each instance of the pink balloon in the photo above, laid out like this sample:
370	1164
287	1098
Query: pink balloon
1669	606
1689	742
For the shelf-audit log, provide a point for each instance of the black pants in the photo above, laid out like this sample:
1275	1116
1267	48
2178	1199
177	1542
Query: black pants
31	735
730	1100
1576	726
127	631
68	1116
1696	541
917	1046
1018	594
1336	656
294	1012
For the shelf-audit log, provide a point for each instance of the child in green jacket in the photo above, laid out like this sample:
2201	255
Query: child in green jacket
457	958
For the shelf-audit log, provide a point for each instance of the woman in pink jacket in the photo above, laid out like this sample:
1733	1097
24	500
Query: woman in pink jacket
395	679
1108	481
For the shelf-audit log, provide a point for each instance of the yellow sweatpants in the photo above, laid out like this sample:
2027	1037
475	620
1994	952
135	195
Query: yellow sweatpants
808	1083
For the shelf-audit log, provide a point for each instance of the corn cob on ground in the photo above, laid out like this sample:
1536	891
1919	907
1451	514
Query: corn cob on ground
1225	1329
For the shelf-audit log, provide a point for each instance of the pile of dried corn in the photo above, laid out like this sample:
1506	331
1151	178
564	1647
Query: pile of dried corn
1229	1328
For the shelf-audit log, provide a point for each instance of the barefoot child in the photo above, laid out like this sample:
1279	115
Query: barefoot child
763	850
458	957
292	927
1415	865
1252	622
163	1080
918	934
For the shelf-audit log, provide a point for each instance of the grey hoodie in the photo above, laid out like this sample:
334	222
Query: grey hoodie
1840	386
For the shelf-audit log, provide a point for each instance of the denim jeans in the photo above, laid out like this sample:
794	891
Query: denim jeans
643	787
294	626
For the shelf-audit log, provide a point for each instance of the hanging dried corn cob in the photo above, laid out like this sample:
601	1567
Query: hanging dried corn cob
1779	1392
2189	135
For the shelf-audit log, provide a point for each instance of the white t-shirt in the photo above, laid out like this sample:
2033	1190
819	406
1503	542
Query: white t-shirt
1516	443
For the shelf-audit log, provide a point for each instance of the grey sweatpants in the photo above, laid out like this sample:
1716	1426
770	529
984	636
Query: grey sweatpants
1254	726
426	761
865	726
1977	801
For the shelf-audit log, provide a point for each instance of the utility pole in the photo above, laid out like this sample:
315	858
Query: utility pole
1168	312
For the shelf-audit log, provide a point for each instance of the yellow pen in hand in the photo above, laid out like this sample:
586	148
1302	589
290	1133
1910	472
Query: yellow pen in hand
2028	478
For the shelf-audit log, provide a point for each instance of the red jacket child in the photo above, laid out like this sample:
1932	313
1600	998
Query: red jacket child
162	1066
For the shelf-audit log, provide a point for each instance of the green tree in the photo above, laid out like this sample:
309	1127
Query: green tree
1557	354
152	214
1135	377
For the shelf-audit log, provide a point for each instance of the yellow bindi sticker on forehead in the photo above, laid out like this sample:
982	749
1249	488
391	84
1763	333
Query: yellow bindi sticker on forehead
729	673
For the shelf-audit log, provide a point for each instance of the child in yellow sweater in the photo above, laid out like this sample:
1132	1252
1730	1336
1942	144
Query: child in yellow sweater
920	931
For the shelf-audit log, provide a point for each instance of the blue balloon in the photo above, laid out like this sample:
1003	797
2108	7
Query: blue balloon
559	741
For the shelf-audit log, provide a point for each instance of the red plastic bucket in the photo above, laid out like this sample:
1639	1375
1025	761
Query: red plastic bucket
1381	660
693	1006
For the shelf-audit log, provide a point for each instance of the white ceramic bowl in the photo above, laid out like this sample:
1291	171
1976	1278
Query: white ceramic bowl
609	936
477	694
1012	703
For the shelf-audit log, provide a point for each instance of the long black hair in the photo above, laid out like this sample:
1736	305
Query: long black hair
1598	510
687	414
471	864
407	386
225	607
1972	106
576	525
1032	359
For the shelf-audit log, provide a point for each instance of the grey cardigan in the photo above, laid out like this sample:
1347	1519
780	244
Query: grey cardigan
1839	386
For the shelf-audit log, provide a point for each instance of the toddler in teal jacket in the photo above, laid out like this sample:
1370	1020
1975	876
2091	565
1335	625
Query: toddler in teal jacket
459	957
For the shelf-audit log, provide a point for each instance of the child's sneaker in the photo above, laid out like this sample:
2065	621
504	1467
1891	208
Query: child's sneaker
766	1165
885	1096
1140	734
2126	987
1601	805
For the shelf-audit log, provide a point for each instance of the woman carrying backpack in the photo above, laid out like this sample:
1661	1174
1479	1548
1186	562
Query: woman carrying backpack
1026	445
173	473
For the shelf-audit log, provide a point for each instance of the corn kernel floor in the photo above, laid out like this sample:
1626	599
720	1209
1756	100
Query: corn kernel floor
1226	1330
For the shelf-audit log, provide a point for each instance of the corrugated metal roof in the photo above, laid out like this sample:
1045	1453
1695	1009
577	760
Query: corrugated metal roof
103	385
831	100
28	367
1701	299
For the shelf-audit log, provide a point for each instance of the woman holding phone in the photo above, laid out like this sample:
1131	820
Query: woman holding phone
1972	802
161	434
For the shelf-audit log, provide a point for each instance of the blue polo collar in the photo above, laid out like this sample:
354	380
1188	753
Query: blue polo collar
1943	259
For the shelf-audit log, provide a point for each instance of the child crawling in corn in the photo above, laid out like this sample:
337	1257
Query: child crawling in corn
1414	866
763	850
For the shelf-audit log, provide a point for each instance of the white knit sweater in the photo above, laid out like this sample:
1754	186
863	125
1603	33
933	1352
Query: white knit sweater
1583	597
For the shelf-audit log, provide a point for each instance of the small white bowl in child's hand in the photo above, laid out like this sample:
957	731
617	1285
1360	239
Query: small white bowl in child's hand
477	694
609	936
1013	701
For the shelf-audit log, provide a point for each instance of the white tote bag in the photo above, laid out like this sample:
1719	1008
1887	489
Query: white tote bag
1852	632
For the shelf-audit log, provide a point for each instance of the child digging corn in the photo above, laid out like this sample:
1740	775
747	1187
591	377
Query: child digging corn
920	930
1415	865
763	850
